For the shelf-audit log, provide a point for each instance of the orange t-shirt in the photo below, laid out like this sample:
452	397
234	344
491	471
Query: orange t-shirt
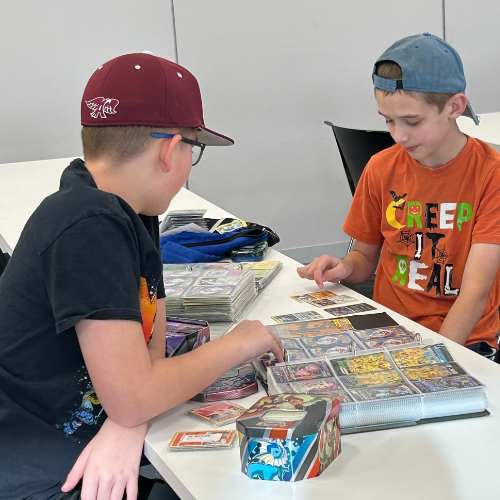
427	220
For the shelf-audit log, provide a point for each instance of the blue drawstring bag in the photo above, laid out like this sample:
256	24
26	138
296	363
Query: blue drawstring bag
185	247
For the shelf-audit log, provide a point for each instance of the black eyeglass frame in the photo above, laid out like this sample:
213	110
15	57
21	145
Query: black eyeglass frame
185	140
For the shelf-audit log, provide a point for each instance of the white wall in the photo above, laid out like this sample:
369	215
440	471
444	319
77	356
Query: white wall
473	29
48	50
271	72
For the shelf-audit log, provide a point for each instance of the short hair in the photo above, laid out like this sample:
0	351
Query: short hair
120	144
392	70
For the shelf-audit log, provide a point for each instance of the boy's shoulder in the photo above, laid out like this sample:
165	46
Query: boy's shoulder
78	199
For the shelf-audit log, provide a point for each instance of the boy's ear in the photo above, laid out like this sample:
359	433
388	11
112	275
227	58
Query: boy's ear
458	103
167	151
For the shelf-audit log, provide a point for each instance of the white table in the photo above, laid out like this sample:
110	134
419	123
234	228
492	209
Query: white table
488	129
449	460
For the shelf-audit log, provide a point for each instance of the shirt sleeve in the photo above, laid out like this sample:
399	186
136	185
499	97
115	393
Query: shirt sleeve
363	222
92	271
487	223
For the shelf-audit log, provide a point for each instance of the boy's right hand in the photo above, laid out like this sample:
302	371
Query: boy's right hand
254	339
326	268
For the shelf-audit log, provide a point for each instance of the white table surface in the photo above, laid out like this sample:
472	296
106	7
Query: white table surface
448	460
488	129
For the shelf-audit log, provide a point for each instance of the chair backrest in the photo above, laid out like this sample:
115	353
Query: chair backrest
5	253
356	147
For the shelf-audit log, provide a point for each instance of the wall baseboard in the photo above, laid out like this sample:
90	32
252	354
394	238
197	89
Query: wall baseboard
307	254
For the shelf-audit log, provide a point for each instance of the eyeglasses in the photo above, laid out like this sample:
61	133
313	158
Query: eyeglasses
198	147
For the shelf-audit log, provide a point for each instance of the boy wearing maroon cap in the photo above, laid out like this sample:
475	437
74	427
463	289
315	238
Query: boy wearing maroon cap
85	369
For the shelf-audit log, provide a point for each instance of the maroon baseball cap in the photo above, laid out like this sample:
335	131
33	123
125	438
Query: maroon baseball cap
142	89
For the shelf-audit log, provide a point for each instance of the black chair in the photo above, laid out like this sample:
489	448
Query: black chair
5	253
356	147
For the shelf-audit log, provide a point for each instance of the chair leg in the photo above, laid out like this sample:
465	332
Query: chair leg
349	247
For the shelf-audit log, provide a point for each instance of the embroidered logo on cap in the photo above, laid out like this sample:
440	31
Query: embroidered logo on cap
102	105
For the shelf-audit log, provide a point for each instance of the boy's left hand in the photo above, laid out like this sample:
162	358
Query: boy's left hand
109	464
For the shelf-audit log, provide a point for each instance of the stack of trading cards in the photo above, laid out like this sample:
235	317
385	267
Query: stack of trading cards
209	293
219	413
202	440
264	271
179	218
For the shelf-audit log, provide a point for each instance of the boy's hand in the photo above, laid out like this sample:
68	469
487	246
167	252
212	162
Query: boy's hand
109	464
326	268
254	339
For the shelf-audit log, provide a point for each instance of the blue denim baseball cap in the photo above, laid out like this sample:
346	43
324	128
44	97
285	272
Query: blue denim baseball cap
429	64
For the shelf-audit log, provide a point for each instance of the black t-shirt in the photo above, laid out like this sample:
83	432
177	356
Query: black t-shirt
83	254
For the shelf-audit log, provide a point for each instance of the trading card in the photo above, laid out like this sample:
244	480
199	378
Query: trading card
305	329
174	292
389	377
202	440
362	364
174	267
308	315
219	413
426	372
296	354
325	351
179	274
291	344
343	324
218	281
285	318
327	340
417	356
343	299
301	371
392	391
318	386
213	265
302	298
173	282
211	290
391	342
362	307
321	302
340	311
382	333
325	294
265	264
447	384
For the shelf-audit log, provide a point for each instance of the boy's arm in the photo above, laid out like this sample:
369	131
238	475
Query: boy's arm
157	344
132	388
479	275
356	267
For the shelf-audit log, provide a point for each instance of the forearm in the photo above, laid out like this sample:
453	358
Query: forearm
463	316
175	380
362	267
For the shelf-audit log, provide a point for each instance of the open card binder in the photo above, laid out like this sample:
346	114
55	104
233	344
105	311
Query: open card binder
386	387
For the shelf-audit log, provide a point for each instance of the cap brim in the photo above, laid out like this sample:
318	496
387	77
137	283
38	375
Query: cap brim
474	116
211	138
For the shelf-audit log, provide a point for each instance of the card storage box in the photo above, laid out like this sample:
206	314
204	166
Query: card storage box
289	437
239	382
389	387
184	335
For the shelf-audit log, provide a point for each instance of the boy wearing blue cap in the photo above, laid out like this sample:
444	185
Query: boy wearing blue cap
427	208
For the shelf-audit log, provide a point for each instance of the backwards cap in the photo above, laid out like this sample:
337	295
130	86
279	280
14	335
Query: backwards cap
145	90
429	64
